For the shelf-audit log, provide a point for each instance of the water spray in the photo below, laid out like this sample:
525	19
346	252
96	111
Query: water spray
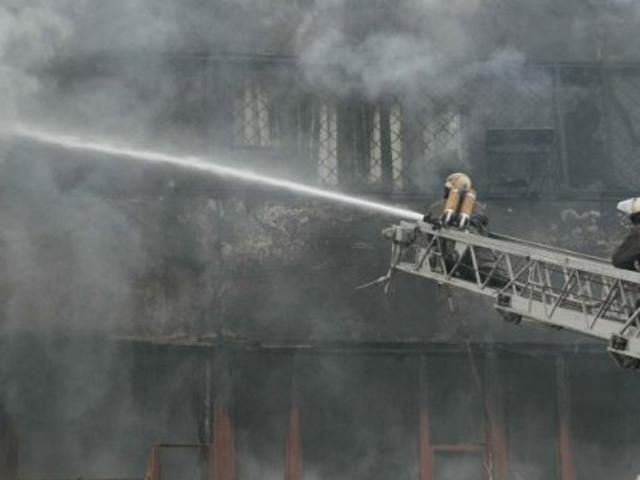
208	167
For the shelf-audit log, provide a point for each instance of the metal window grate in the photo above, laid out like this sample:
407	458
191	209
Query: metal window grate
396	128
405	139
375	149
255	120
386	128
438	140
442	136
325	145
524	101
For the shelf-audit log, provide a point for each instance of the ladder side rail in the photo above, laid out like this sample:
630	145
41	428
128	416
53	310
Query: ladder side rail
590	265
545	287
427	251
531	268
474	262
583	303
556	289
625	305
548	248
493	270
573	321
577	295
570	319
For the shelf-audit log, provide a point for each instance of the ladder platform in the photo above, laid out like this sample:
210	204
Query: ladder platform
551	286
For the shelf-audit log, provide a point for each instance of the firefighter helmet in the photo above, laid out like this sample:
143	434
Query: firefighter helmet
631	206
458	181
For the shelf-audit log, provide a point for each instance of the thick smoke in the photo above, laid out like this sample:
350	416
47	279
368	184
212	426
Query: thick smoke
435	59
408	46
355	47
102	67
71	258
29	35
49	235
41	35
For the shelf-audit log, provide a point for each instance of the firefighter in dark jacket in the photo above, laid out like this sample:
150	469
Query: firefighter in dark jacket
459	209
627	255
445	212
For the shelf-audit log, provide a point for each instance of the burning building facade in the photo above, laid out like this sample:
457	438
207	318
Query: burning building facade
153	317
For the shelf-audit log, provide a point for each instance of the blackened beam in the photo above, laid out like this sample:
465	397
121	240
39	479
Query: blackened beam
365	347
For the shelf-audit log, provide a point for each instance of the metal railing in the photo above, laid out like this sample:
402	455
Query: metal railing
556	287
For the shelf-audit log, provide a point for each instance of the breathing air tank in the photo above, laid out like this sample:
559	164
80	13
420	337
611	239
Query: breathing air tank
450	207
466	208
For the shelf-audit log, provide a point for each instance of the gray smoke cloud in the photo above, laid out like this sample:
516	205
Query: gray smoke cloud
29	34
71	258
368	48
408	46
68	259
102	67
42	35
373	48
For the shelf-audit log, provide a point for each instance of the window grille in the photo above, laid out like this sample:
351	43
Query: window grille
255	120
325	144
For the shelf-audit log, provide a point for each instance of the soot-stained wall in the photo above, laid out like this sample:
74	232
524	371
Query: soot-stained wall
170	255
376	98
360	412
96	250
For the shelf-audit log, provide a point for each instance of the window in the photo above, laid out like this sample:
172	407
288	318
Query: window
325	147
442	138
386	151
255	120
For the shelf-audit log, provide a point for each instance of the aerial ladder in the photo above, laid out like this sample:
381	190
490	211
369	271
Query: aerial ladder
546	285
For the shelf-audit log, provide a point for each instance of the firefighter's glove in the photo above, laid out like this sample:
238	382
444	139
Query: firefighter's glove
479	220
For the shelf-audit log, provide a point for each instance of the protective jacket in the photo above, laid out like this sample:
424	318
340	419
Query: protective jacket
628	252
486	258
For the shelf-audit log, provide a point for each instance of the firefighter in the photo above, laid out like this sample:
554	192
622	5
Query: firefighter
451	211
445	211
627	255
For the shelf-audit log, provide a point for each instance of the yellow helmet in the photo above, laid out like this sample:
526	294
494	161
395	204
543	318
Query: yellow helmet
459	181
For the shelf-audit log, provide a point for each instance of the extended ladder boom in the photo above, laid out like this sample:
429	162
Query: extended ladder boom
556	287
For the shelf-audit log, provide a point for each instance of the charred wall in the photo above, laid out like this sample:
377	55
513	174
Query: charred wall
144	305
113	263
338	410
